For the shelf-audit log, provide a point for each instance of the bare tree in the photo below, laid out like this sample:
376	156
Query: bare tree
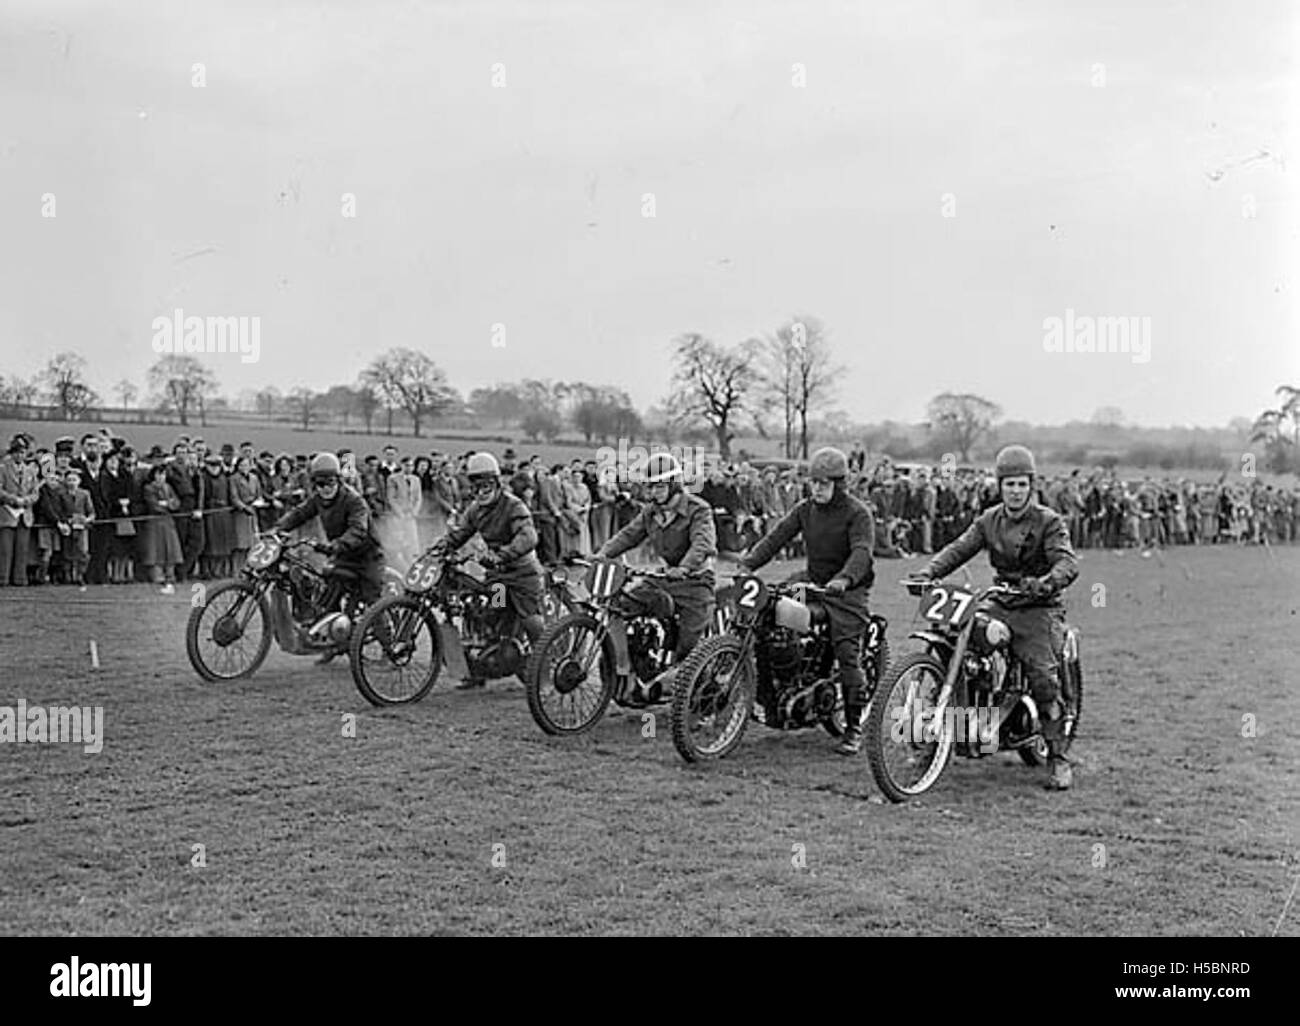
409	380
1270	427
959	420
367	403
64	378
796	373
19	393
303	401
267	400
713	384
127	392
1272	424
182	383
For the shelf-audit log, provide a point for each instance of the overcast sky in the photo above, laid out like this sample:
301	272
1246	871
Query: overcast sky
1122	190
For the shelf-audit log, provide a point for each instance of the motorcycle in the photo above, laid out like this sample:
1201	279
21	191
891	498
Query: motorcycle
775	664
966	692
452	612
625	634
279	593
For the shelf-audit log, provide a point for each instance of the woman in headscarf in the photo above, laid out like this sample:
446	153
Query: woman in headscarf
160	547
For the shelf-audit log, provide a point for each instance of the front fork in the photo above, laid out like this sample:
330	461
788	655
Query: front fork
954	682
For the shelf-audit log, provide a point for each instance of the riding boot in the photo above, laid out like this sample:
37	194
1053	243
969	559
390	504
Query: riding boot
1057	743
851	743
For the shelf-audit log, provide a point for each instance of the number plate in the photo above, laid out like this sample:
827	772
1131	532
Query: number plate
950	606
264	552
604	579
749	598
424	573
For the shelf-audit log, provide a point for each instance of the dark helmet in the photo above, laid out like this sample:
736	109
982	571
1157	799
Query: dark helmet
1015	461
829	464
325	470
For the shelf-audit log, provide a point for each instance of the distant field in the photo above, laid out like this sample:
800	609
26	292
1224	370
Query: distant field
457	815
284	438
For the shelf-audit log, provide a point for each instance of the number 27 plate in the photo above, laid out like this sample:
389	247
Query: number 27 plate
952	606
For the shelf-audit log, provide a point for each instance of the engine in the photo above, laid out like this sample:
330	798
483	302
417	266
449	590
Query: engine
308	594
784	650
647	646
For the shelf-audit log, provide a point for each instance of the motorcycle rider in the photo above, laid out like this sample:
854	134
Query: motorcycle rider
352	542
1029	548
681	533
504	522
838	531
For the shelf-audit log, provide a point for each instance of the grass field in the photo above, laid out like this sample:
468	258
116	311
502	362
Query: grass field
279	438
1178	824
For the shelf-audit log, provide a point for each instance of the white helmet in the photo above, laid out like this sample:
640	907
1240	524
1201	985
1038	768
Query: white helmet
482	464
662	466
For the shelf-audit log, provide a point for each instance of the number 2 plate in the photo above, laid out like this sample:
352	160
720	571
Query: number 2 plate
749	596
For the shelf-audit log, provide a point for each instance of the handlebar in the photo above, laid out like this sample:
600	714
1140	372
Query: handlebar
918	586
573	559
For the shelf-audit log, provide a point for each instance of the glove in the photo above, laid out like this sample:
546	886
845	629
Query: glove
327	548
1038	587
490	559
837	586
676	573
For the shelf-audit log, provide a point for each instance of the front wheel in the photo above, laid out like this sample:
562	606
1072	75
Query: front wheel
906	748
227	637
396	652
570	675
712	696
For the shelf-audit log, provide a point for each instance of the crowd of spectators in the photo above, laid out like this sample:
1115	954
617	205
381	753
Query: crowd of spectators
97	511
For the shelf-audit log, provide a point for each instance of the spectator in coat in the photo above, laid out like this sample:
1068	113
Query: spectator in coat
187	482
115	487
218	523
18	494
400	536
577	505
76	517
160	548
245	493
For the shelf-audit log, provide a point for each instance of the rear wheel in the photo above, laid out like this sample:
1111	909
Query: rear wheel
396	653
712	695
227	637
570	675
907	749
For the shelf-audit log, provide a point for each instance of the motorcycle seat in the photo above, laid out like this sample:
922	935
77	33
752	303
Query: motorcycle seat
818	612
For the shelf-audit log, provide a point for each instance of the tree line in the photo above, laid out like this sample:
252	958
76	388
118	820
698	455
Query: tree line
778	386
